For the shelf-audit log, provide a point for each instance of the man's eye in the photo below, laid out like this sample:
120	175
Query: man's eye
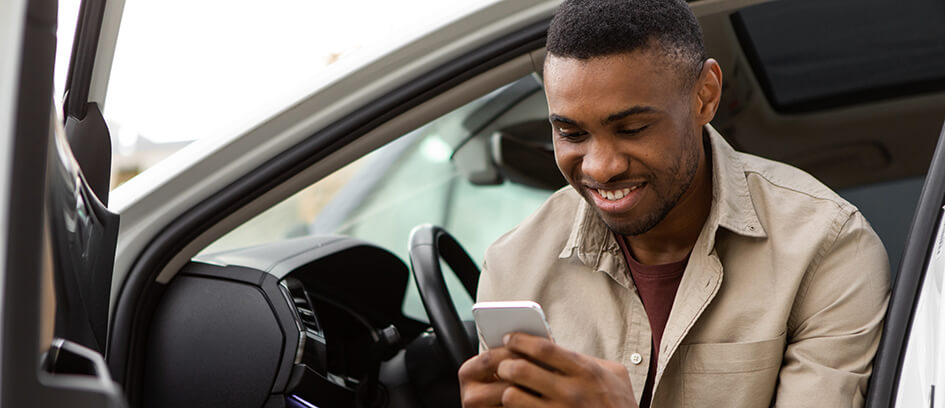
568	133
633	131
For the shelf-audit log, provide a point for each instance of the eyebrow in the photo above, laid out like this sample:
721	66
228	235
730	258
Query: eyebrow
562	119
636	110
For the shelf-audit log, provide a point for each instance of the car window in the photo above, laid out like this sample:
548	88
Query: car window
411	181
239	63
924	364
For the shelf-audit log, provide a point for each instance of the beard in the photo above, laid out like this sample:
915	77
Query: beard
684	169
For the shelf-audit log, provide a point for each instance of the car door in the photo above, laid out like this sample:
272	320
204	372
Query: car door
50	219
909	369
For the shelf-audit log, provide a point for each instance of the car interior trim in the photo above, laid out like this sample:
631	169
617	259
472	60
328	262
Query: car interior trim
708	7
81	63
828	101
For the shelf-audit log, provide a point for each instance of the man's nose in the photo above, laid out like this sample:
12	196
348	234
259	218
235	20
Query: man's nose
603	162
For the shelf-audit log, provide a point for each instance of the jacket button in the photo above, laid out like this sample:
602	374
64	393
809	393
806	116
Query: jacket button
636	358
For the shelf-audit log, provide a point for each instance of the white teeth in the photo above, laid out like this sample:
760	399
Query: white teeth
613	195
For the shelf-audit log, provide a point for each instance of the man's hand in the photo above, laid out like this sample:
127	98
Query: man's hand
559	377
534	372
478	384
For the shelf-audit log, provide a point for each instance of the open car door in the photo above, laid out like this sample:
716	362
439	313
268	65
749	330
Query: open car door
57	239
909	370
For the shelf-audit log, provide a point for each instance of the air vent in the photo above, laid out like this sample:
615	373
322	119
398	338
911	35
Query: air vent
311	350
303	305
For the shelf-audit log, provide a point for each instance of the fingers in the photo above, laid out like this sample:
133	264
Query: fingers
515	397
484	394
479	386
546	352
560	377
483	366
527	374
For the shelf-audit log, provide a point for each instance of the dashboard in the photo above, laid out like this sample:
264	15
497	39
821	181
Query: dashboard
313	321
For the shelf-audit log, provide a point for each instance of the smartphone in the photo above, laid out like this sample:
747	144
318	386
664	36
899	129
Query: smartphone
496	319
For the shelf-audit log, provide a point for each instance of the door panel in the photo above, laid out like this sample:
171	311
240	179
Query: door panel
83	234
66	374
922	367
889	363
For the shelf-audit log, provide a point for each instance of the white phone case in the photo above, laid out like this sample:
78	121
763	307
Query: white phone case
495	319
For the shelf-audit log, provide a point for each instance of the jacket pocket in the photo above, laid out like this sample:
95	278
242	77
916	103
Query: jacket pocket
731	374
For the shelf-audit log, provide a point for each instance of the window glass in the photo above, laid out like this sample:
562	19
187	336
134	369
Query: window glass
812	54
922	378
185	70
411	181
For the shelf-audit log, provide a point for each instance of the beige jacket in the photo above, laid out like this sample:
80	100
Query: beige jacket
782	301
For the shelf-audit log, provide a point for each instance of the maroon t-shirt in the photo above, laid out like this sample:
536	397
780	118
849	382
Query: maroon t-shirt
657	286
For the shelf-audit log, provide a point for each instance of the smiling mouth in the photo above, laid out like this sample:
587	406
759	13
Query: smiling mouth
614	195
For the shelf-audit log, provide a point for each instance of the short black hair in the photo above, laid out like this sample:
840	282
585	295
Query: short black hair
585	29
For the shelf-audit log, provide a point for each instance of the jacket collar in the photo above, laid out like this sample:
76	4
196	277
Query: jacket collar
591	241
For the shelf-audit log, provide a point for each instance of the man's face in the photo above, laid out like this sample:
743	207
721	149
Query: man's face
625	135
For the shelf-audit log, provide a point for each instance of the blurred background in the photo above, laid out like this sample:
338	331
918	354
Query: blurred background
194	57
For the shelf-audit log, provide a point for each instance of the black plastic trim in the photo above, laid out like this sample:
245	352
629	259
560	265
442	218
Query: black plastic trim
82	62
210	370
268	285
91	145
134	308
905	290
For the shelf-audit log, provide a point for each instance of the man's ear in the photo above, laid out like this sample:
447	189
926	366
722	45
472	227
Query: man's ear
708	91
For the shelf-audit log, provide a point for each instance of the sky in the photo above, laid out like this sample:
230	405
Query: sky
189	69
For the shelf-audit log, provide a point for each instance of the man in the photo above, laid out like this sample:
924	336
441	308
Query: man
673	270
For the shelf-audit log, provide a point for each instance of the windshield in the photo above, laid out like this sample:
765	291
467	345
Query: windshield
239	63
431	175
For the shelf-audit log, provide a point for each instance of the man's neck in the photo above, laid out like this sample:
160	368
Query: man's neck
674	237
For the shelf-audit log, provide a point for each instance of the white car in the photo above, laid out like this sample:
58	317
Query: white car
269	268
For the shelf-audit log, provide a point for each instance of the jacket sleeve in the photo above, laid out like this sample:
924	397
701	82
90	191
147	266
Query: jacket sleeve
836	321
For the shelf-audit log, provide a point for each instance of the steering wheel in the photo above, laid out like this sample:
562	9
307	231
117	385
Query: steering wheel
428	244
